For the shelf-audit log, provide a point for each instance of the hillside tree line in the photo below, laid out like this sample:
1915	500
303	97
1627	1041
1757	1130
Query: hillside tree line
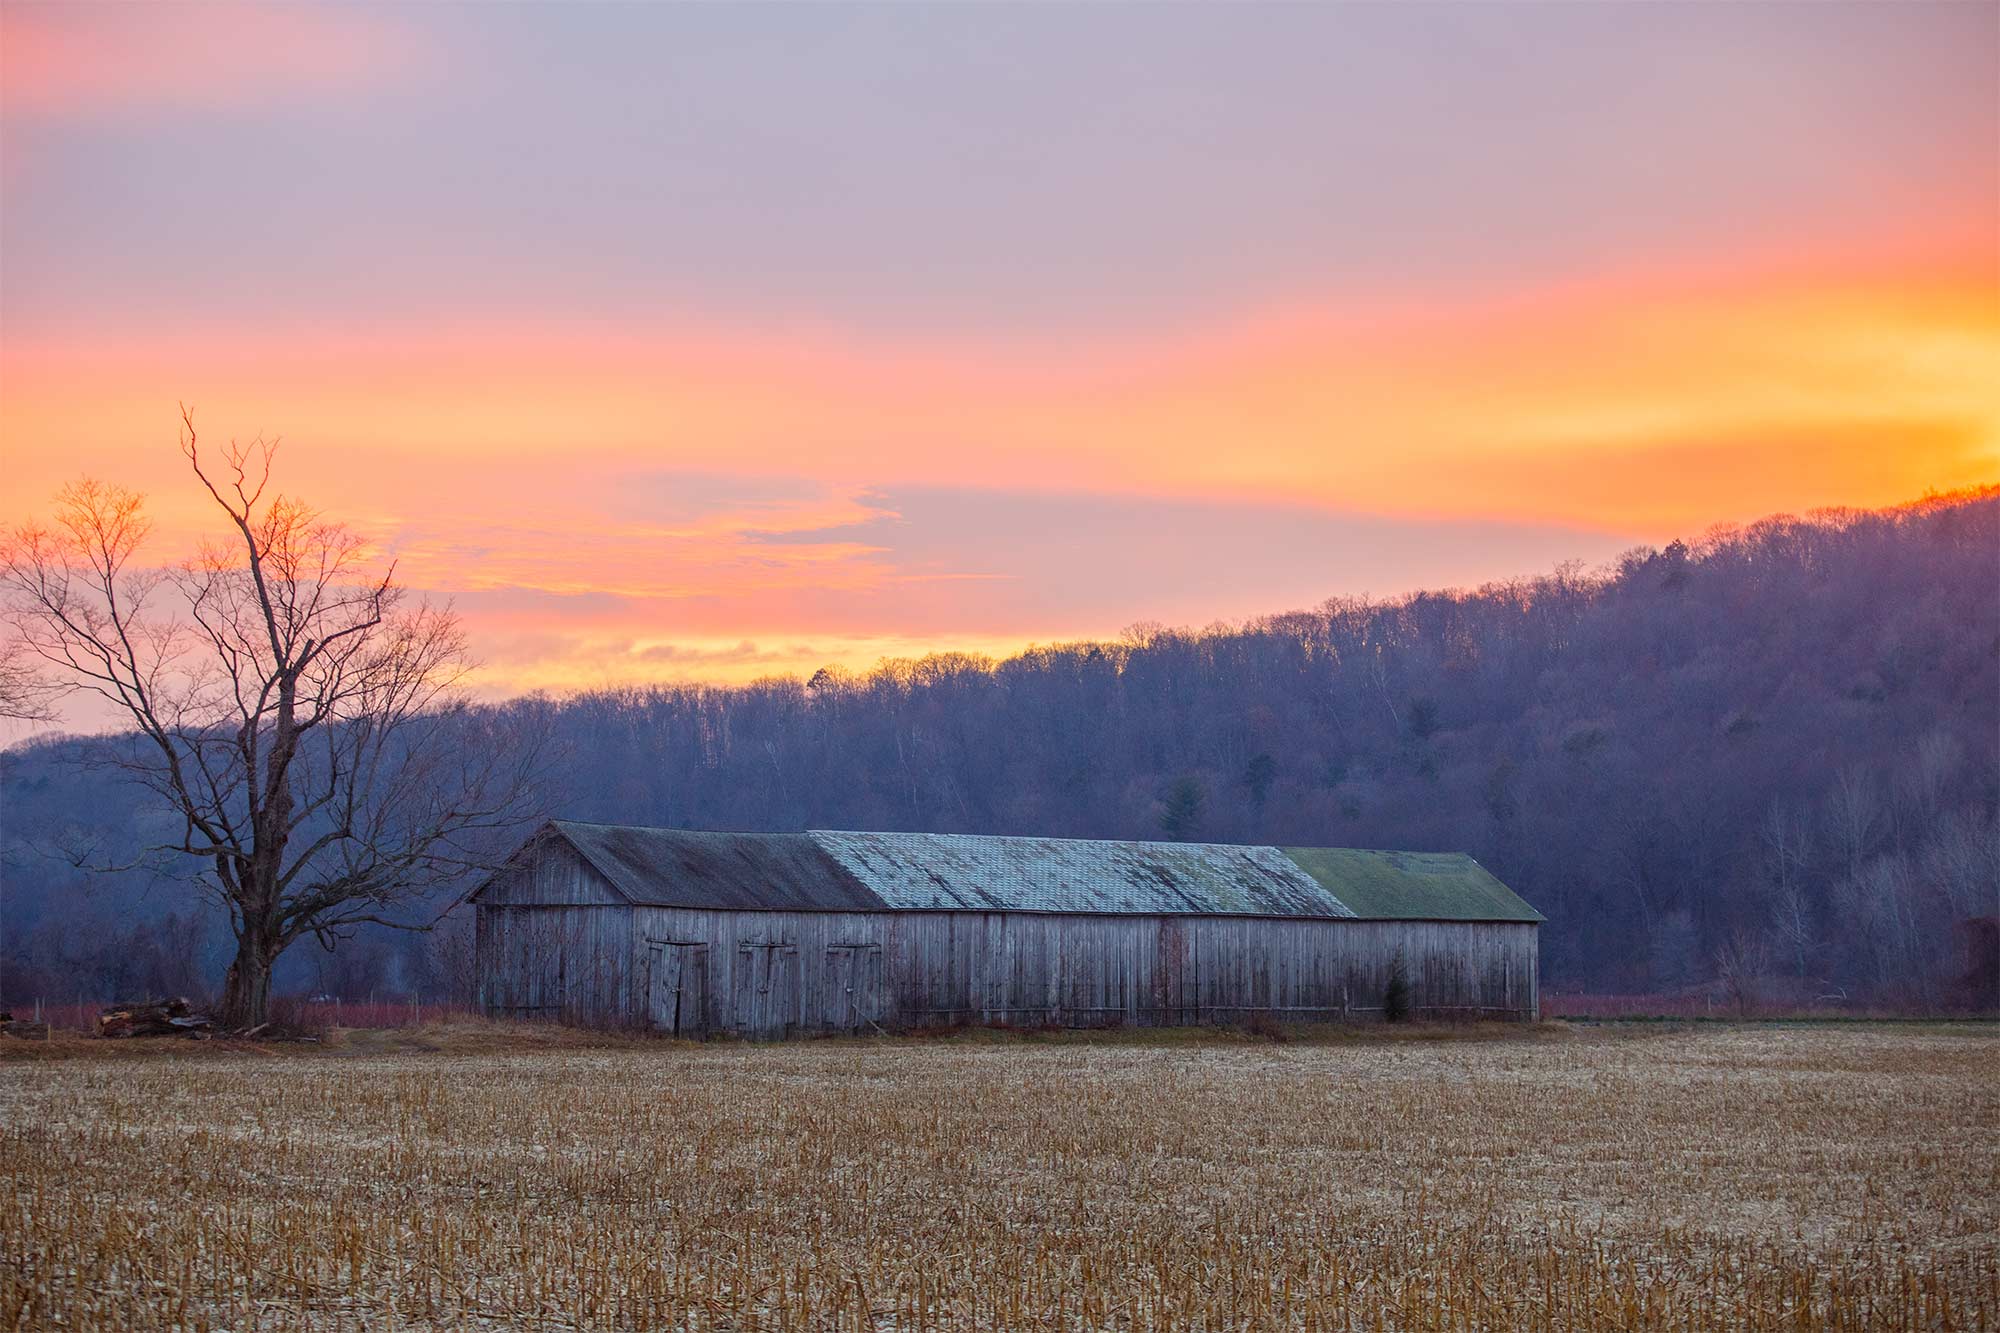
1765	759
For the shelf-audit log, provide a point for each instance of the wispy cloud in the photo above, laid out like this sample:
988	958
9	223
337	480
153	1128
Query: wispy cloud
967	569
1849	386
100	61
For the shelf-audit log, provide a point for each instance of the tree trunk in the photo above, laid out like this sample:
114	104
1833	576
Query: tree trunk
246	991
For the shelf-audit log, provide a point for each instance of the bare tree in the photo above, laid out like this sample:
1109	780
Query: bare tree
1788	849
1853	816
298	713
450	961
1962	859
1929	774
1739	964
26	694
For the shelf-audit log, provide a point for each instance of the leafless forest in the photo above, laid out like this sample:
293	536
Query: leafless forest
1764	760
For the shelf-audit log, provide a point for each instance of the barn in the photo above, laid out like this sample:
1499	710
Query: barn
770	934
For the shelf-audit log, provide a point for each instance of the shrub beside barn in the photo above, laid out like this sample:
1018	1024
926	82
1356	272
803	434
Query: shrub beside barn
768	934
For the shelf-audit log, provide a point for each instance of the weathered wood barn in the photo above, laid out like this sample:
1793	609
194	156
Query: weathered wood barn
766	934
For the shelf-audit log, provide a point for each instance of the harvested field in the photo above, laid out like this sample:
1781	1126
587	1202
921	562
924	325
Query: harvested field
1752	1178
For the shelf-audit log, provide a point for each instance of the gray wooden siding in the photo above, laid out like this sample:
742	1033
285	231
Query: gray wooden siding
569	964
546	875
771	973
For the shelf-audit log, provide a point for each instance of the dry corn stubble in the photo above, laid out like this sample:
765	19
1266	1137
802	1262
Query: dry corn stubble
1737	1178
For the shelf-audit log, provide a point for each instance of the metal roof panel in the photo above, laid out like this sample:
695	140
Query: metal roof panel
690	868
946	872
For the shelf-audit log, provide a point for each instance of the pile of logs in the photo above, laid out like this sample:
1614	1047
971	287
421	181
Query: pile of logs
152	1018
20	1027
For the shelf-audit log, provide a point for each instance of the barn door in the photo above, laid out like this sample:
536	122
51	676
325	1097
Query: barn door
1176	978
853	987
767	987
679	989
525	961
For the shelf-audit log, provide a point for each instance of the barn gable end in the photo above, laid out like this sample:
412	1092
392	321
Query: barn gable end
547	872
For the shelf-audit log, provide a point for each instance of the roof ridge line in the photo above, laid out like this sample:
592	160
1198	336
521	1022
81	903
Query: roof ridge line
1050	837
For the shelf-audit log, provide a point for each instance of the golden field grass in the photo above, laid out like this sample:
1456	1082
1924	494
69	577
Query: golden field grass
475	1177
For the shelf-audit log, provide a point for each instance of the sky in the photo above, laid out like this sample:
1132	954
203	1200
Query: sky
711	342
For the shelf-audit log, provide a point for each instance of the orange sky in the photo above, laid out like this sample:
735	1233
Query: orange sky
716	486
491	459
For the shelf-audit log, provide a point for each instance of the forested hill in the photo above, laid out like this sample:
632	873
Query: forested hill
1773	751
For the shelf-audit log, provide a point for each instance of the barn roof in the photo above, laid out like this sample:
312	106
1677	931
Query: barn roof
829	871
932	871
674	867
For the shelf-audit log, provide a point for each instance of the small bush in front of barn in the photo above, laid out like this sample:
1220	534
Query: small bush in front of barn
1262	1023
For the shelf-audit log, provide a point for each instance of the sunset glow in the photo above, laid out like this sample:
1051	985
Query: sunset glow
631	461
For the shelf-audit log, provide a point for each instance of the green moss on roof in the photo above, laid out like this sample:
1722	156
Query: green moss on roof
1429	886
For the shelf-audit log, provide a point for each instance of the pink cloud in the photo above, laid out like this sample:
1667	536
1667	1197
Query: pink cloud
86	61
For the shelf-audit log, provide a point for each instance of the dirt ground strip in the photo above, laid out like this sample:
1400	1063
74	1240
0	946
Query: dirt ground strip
1551	1178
